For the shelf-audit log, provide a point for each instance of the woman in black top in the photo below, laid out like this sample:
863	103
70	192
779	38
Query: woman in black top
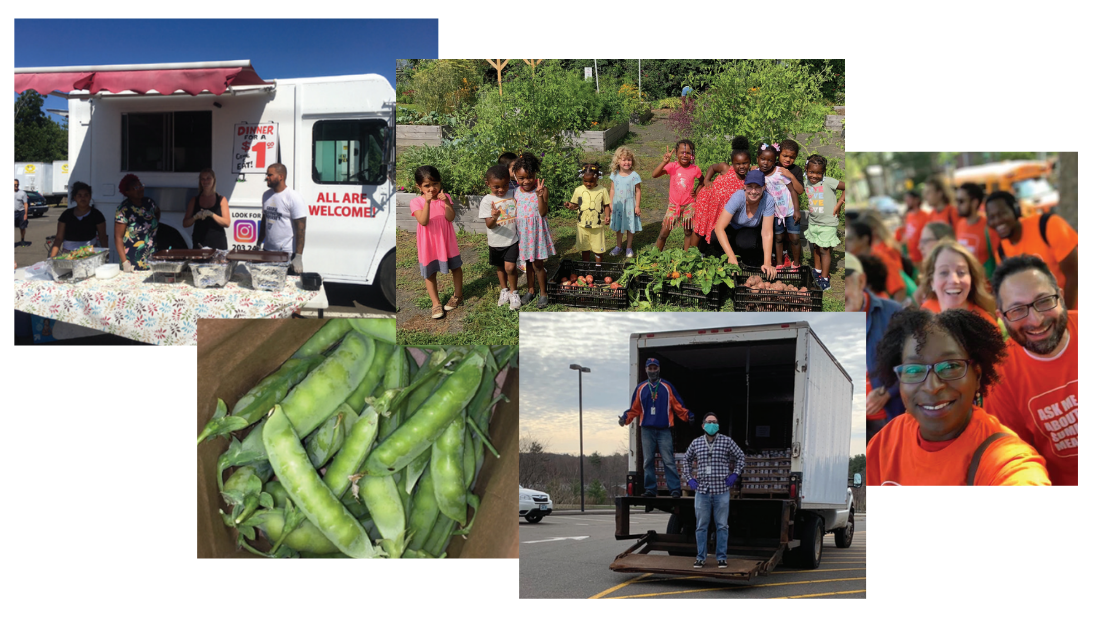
80	225
209	213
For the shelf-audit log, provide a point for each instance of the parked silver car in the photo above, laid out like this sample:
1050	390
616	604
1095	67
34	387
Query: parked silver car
534	505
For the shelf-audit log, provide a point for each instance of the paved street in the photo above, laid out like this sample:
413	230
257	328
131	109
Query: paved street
567	556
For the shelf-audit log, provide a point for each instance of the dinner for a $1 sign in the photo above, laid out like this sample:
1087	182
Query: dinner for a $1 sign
255	146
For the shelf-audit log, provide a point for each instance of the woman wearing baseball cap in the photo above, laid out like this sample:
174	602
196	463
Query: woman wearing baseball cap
744	218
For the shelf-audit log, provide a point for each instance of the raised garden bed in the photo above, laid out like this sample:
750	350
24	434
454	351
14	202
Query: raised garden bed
419	135
599	140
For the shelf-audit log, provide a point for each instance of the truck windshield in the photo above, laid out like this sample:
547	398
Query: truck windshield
349	152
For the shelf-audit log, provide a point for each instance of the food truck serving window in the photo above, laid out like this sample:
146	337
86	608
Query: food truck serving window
349	152
173	142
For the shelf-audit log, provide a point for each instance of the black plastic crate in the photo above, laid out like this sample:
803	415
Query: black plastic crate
744	300
596	297
686	296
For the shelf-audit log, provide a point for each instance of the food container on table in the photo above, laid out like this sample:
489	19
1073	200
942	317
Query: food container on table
184	255
213	274
173	267
270	276
311	281
259	256
77	270
106	271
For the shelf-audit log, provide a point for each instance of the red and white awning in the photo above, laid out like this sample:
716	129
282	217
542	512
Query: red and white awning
195	78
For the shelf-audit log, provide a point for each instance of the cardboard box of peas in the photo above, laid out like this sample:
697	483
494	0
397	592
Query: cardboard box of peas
325	439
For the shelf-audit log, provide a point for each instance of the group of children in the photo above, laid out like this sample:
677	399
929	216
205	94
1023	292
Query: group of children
518	201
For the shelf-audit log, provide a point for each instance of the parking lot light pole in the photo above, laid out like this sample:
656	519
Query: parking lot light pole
580	417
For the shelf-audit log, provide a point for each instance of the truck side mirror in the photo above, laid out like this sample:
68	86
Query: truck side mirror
857	480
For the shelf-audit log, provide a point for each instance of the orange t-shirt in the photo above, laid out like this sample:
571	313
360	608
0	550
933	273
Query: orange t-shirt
949	214
909	233
895	456
932	304
973	237
1062	239
892	259
1037	398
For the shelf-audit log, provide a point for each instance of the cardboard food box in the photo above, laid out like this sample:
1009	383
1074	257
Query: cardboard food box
233	355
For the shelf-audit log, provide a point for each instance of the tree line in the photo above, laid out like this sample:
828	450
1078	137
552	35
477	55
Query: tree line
38	138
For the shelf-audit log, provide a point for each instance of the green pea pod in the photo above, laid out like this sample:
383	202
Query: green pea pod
382	329
308	491
440	536
396	377
416	467
278	494
357	399
355	507
356	447
325	337
425	426
325	442
426	384
469	459
305	537
242	492
475	502
258	401
447	470
248	452
424	513
326	387
383	500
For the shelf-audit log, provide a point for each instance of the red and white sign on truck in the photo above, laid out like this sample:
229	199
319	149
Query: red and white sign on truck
166	122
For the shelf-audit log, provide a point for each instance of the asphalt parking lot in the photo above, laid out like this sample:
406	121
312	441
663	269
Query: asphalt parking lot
567	556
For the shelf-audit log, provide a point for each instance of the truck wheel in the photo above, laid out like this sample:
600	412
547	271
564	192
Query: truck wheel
843	537
812	538
533	518
683	527
387	277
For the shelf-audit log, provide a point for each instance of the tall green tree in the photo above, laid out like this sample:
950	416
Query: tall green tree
37	137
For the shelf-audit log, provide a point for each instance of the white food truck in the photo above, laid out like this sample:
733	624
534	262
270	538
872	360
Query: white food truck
333	134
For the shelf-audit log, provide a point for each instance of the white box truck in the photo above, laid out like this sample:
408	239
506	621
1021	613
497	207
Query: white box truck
36	177
333	134
787	402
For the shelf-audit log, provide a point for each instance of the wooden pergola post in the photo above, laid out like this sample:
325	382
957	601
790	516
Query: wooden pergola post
498	65
532	63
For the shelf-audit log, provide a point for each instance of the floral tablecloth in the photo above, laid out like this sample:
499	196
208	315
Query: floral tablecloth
134	306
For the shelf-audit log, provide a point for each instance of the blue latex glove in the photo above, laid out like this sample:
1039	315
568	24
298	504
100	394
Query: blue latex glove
694	484
731	479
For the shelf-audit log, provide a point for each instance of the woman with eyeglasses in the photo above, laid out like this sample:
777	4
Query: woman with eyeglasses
942	363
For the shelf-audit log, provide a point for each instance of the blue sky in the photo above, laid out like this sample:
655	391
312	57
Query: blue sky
549	342
278	49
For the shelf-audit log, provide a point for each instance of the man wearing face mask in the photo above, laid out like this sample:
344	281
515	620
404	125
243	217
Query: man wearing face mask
656	404
715	463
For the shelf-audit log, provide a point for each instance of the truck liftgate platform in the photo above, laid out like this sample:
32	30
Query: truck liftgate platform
747	557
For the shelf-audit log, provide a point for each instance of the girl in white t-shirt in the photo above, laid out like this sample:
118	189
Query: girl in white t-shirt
498	208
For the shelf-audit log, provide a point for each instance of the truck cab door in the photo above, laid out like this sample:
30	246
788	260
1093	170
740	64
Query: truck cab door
343	180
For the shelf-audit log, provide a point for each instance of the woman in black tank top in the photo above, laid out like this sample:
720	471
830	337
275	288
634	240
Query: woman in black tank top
209	213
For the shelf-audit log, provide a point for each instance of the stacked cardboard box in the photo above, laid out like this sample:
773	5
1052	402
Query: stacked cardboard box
660	467
767	472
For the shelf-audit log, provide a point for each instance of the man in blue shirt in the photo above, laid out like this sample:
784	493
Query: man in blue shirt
718	463
656	404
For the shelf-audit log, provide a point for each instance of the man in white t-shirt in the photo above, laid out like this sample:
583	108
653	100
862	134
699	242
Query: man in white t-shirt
283	227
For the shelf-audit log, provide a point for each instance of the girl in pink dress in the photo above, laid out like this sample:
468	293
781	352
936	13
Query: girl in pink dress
713	196
436	243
